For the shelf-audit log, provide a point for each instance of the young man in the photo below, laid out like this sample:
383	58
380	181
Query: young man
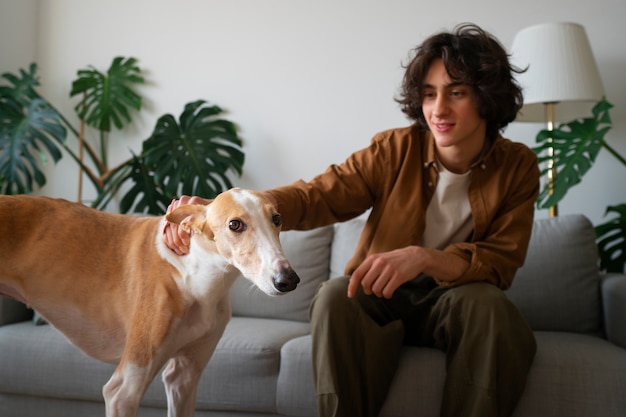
452	205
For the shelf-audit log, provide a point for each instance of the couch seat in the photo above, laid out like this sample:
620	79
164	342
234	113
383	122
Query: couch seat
242	374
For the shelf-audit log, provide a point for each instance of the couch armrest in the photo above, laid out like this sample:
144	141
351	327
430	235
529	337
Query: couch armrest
12	311
614	305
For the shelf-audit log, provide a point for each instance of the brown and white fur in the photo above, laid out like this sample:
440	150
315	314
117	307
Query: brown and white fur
108	282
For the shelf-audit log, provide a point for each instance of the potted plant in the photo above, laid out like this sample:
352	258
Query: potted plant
191	155
576	145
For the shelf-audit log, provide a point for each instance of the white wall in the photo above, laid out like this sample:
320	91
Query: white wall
308	82
18	34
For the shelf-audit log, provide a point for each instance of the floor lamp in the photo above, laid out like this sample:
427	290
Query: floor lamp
562	82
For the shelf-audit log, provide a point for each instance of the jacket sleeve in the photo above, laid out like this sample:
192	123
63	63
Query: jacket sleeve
340	193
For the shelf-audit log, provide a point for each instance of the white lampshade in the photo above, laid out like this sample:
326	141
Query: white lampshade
561	69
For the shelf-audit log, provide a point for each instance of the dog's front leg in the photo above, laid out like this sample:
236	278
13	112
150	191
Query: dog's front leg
123	392
182	374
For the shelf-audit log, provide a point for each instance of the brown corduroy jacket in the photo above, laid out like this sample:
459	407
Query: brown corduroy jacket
396	176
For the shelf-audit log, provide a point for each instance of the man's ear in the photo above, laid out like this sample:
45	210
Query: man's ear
191	218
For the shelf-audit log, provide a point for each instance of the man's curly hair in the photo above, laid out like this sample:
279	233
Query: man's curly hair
472	57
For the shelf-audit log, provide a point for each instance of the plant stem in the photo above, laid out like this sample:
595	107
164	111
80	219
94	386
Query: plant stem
614	153
81	152
103	153
65	121
67	124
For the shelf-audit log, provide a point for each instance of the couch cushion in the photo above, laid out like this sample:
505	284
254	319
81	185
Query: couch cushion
558	288
40	361
296	392
575	375
345	240
309	255
242	374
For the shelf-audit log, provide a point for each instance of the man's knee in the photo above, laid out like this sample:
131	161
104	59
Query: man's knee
478	297
483	308
332	295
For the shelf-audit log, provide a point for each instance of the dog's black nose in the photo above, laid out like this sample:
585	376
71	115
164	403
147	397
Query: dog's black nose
287	280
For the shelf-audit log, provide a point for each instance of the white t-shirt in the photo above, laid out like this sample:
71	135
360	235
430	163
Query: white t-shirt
448	216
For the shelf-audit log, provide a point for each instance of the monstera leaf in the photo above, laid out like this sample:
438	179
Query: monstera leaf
109	96
21	89
611	239
144	196
30	133
27	136
576	145
192	156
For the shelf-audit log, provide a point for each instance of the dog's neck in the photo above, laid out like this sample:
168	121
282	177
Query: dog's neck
204	274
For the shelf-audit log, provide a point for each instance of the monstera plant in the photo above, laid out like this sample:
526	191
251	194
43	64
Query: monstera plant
576	145
193	155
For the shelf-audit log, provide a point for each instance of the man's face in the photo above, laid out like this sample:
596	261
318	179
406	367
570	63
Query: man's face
452	115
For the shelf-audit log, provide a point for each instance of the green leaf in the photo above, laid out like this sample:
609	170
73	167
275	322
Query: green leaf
22	89
27	137
143	196
611	239
576	145
108	97
191	156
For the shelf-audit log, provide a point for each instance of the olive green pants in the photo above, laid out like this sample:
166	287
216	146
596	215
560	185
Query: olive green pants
357	344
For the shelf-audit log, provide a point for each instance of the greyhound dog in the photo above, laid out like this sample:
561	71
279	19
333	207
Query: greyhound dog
108	282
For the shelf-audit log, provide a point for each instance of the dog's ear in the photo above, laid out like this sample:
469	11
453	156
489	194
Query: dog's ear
190	218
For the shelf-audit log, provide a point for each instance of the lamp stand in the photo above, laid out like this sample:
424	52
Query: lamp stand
553	210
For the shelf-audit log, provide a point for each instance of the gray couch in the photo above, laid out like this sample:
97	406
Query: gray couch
262	364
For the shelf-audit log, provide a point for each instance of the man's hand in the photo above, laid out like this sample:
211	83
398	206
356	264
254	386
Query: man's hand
174	236
382	273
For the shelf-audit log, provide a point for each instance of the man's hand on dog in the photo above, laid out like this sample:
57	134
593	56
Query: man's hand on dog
174	236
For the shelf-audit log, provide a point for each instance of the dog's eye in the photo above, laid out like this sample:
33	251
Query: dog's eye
277	220
236	226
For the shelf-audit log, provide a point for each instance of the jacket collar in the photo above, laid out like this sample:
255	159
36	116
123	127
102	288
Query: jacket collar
430	159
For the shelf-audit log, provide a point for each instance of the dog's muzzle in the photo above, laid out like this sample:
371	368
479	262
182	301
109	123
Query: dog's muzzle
286	280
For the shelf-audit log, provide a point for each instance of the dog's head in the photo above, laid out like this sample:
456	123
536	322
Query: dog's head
244	226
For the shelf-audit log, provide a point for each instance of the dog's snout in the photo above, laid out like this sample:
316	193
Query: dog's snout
286	280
